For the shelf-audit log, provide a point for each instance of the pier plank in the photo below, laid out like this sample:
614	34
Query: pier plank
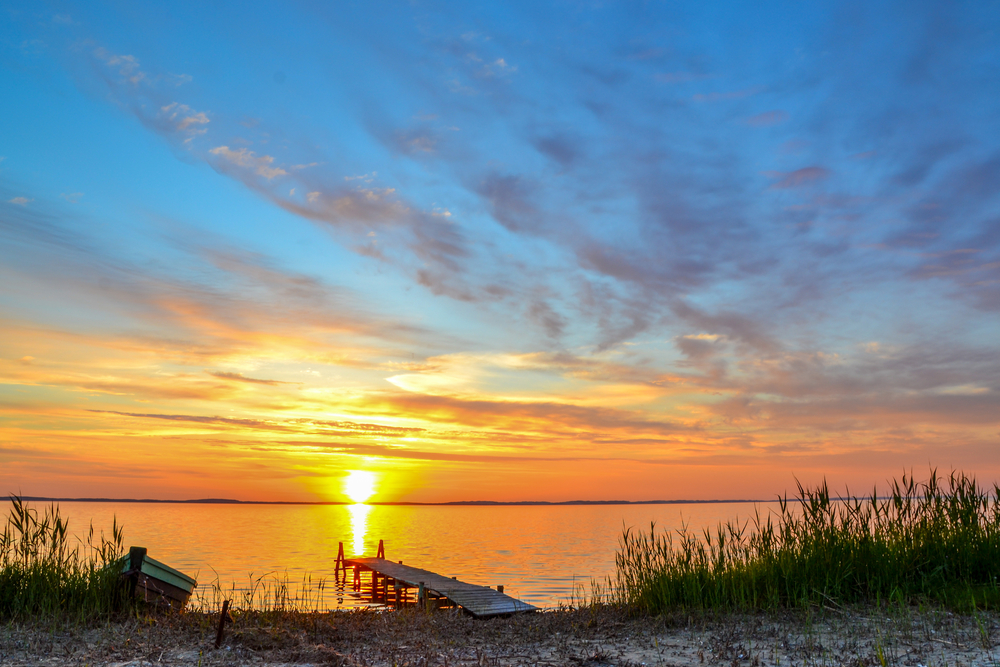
480	601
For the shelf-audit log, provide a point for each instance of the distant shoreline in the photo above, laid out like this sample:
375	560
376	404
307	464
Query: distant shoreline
457	503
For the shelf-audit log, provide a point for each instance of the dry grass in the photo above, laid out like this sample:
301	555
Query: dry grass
593	636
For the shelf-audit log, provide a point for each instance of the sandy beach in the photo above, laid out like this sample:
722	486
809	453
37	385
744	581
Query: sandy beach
592	637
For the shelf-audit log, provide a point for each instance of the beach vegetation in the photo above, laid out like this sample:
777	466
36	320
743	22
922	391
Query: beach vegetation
271	593
933	541
46	573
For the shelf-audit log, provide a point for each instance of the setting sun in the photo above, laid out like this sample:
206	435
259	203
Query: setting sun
359	485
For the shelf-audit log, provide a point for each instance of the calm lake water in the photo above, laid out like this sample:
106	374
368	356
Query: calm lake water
541	554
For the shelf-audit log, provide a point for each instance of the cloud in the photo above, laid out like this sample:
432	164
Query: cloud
678	77
127	66
184	119
302	426
647	54
384	451
730	95
542	417
20	201
238	377
798	178
434	240
698	347
225	304
179	79
733	325
498	67
415	141
510	199
366	178
562	148
545	315
455	86
221	421
247	159
768	118
72	197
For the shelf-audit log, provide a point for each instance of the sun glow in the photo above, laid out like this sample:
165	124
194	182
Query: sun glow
359	485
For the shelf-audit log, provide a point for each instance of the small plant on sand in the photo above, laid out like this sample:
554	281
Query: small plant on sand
43	576
921	542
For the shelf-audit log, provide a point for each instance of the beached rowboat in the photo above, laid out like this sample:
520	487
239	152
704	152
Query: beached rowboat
154	581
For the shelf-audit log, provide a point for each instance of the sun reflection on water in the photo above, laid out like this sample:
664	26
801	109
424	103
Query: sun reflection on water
359	526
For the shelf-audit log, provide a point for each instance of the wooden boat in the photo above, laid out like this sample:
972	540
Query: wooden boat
154	581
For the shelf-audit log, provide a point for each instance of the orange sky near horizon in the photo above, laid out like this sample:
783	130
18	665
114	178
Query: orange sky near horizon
123	420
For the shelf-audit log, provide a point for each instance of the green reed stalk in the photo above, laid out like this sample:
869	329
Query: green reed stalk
42	576
265	594
922	541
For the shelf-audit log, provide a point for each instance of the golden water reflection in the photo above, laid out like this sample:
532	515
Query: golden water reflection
359	526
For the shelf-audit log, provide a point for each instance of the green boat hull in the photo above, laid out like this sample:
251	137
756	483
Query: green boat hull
154	581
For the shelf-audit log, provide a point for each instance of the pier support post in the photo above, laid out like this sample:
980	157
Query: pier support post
340	563
421	595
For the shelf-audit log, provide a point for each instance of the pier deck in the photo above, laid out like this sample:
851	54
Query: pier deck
390	582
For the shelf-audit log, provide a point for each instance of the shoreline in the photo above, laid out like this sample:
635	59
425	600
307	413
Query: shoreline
591	637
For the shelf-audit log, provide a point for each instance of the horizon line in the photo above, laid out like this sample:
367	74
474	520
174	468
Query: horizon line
230	501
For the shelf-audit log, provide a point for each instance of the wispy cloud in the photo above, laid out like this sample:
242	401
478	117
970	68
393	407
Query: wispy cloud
726	95
798	178
768	118
239	377
184	119
678	77
126	66
247	159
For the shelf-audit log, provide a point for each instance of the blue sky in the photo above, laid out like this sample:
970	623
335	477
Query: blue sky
505	250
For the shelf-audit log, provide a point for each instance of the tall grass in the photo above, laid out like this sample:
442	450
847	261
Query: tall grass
43	576
270	593
922	541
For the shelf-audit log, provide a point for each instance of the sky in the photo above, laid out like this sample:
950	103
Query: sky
497	251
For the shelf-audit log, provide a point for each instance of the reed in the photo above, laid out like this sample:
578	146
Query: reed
269	593
937	540
43	575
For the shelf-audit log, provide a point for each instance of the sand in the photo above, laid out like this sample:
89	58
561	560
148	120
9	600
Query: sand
590	637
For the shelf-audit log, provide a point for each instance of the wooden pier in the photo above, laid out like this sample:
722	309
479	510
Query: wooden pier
397	585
